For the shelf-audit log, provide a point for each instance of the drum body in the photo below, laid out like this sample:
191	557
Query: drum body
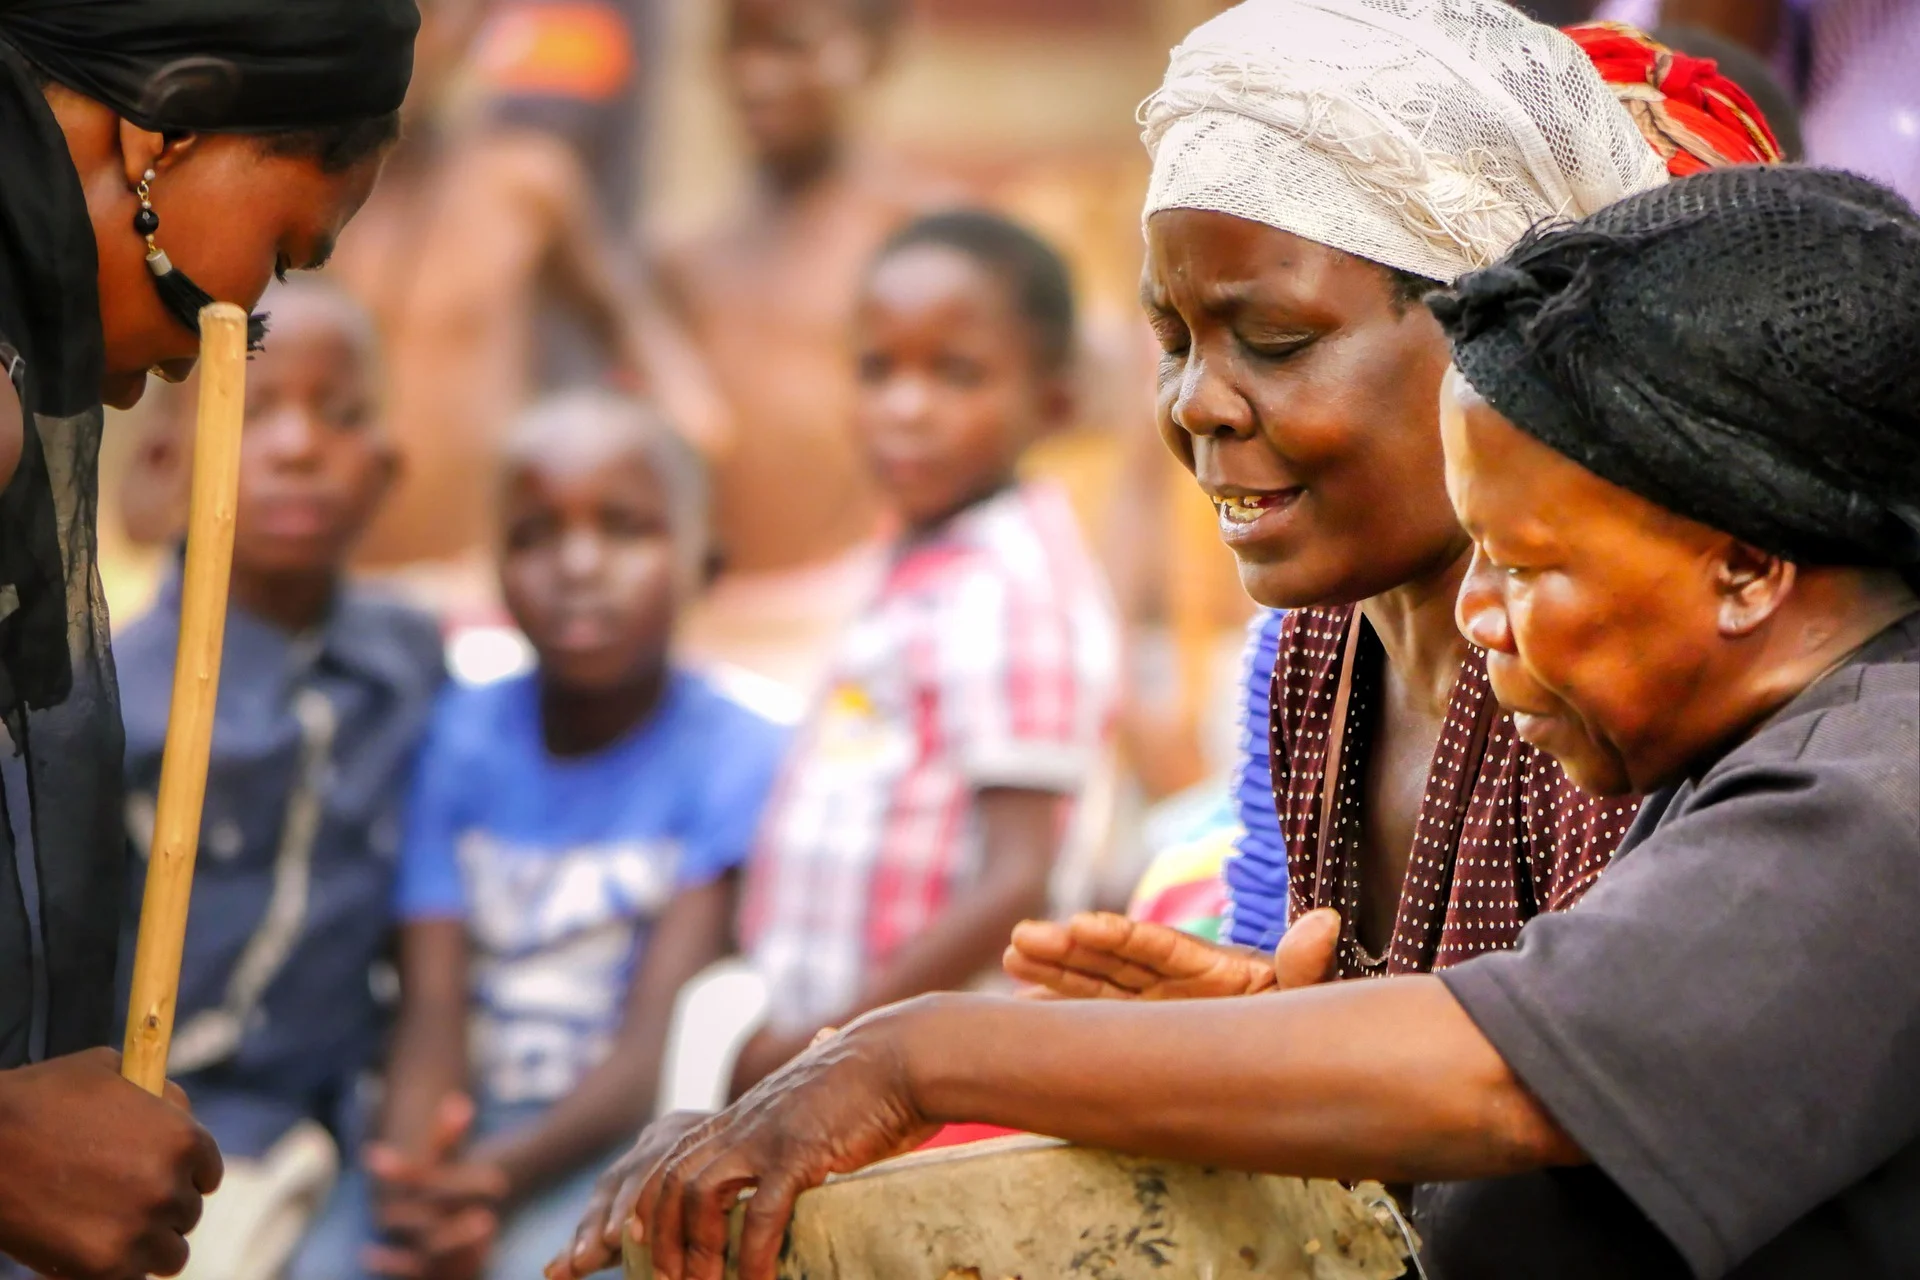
1032	1209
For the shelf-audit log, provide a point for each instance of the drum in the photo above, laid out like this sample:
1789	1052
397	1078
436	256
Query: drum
1032	1209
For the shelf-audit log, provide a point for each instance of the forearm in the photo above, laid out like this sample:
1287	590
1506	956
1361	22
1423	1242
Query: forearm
429	1058
428	1063
967	939
602	1112
675	374
1385	1079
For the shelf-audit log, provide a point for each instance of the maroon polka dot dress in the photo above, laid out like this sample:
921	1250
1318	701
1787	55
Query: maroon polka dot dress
1528	839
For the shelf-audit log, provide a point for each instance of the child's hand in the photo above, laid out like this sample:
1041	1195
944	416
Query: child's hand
439	1213
452	1246
1100	955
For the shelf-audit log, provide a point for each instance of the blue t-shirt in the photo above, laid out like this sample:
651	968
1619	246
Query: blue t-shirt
560	867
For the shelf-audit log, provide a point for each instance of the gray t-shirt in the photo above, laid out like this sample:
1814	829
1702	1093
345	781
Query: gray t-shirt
1729	1022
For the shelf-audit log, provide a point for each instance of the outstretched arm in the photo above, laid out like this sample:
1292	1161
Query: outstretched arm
1387	1079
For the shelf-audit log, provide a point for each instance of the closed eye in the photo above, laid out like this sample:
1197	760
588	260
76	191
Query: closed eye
1169	332
1276	346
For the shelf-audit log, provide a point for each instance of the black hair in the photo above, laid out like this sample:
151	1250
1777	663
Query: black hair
337	147
1410	290
1027	266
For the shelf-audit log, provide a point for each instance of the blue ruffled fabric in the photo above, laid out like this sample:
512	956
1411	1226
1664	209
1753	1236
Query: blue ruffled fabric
1256	875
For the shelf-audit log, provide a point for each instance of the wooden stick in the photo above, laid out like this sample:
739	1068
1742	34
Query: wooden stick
196	684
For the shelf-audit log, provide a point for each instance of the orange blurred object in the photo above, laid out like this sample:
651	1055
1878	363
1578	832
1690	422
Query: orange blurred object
561	50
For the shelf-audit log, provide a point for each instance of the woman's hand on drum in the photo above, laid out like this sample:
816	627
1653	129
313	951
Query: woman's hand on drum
840	1106
1100	955
596	1242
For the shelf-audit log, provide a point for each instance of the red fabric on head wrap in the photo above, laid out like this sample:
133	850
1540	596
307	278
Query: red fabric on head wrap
1692	115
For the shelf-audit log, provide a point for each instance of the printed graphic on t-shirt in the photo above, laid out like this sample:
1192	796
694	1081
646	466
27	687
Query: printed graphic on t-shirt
554	936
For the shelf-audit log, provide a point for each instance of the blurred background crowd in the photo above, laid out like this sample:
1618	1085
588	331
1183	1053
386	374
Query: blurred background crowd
720	274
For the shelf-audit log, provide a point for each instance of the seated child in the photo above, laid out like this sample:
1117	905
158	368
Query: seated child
325	691
971	700
569	855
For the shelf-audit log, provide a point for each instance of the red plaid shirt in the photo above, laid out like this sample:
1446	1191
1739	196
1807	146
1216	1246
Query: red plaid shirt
988	658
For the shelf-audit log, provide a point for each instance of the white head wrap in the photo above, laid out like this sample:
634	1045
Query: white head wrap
1427	135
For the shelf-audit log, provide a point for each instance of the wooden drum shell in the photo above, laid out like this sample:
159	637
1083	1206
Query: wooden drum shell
1033	1209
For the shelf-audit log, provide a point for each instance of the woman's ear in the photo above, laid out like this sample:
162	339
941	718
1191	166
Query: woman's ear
143	149
1752	585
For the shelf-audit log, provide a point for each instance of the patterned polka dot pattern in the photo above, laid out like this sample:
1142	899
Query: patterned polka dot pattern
1530	839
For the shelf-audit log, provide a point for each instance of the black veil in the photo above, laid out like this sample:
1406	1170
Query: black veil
250	66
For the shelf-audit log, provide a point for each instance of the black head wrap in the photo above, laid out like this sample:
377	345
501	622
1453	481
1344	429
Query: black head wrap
243	66
1741	347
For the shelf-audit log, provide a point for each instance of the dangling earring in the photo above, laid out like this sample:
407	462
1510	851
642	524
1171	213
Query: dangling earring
182	297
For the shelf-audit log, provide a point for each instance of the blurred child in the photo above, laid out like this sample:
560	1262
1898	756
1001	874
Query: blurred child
324	694
467	227
568	861
768	296
970	702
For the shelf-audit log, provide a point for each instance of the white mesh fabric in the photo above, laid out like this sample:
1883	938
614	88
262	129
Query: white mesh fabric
1427	135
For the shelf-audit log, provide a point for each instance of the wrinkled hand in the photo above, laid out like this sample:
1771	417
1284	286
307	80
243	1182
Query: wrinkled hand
840	1106
596	1243
764	1053
440	1213
1100	955
99	1180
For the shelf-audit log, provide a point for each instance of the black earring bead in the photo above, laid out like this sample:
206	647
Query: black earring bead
146	222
